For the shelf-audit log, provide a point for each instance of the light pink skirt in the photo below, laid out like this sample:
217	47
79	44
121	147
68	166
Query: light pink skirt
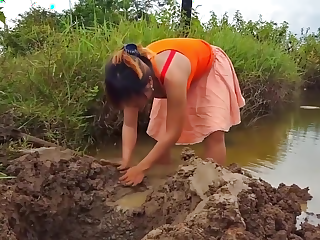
214	103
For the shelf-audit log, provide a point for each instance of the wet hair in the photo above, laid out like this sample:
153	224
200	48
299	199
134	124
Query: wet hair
125	75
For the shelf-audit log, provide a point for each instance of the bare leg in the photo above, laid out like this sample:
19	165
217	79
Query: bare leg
215	148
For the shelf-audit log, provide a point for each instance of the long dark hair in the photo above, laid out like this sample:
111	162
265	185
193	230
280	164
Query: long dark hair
125	75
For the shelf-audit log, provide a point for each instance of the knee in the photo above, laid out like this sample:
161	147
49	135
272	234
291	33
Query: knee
215	148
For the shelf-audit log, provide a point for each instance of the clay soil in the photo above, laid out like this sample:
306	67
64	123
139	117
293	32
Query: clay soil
59	196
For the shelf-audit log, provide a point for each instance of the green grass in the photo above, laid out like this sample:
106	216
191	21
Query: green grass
3	175
56	92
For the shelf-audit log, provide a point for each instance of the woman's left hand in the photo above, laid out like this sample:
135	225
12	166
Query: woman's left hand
133	176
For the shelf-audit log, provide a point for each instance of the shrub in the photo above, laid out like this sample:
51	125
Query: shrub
57	91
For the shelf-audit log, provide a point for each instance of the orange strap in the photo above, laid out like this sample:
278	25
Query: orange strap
166	65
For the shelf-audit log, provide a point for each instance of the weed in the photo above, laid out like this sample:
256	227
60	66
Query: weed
55	91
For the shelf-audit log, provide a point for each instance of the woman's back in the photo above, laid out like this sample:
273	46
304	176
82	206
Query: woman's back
197	51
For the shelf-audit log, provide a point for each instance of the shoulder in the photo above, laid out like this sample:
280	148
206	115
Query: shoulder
180	66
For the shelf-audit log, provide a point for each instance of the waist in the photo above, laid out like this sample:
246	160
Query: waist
204	66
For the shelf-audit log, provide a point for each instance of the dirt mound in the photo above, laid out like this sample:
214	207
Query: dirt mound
234	206
59	196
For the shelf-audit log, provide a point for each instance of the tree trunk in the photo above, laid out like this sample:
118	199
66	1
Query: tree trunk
186	8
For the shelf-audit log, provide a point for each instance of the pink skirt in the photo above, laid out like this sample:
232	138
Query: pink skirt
214	103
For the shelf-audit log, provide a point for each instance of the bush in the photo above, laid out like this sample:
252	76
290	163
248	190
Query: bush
308	59
30	31
56	92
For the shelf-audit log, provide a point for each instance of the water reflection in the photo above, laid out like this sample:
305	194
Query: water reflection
297	157
285	148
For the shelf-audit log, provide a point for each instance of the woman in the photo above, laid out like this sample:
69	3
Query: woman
196	98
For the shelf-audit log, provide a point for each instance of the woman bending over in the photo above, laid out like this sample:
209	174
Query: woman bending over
196	98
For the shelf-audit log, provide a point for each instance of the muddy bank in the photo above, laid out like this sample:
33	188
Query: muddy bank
59	196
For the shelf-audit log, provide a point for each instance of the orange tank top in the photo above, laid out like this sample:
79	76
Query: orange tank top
198	52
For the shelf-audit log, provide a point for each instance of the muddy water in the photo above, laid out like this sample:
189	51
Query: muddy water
283	148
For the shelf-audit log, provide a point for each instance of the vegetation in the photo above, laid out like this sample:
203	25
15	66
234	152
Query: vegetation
52	64
2	17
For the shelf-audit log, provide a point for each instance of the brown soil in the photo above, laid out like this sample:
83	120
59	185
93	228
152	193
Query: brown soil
59	196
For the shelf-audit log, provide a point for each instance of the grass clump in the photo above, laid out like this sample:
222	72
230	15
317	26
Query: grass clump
55	91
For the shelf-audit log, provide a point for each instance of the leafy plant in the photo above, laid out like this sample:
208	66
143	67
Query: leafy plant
52	64
2	16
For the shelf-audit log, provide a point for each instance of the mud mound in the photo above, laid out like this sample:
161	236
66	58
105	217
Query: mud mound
234	206
58	196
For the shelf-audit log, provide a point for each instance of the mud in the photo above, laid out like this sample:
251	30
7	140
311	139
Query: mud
59	196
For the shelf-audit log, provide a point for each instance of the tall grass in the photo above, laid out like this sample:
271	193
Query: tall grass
56	92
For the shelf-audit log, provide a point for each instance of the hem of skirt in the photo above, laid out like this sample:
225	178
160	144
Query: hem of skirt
186	144
199	141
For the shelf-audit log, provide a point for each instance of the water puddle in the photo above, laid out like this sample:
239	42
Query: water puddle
283	148
133	200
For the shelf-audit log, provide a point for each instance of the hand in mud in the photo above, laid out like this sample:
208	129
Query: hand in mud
124	165
132	177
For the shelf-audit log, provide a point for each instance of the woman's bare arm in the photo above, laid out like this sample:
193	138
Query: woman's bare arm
129	132
176	90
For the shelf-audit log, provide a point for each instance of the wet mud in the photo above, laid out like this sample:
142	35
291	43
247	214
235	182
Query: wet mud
57	195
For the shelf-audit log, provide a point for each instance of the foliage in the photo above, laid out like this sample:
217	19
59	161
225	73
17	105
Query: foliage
2	16
52	67
92	12
29	31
